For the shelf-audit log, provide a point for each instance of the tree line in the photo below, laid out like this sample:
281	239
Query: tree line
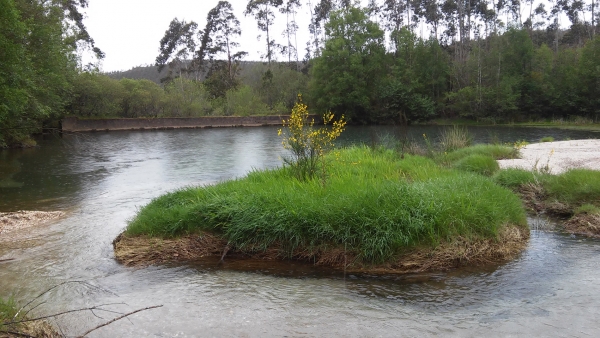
381	61
396	61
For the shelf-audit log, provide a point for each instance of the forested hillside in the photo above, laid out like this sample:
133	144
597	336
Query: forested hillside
381	61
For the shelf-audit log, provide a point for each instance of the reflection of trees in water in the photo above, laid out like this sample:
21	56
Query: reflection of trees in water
43	178
9	166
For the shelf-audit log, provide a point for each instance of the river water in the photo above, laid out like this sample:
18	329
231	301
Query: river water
101	179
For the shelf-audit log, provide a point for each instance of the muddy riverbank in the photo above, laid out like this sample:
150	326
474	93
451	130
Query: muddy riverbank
136	251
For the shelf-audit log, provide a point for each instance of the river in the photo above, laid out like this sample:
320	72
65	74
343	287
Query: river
101	179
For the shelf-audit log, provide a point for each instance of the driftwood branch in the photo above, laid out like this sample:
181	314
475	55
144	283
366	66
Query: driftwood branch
118	318
97	307
25	310
56	286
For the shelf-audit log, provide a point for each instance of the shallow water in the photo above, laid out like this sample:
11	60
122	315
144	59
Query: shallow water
100	179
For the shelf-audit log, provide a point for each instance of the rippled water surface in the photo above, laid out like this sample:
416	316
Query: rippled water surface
100	179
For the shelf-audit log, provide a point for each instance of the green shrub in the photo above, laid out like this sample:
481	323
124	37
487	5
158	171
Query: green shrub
514	178
243	101
589	209
480	164
373	204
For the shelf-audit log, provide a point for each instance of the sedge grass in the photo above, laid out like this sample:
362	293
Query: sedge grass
547	139
373	204
454	138
574	187
514	178
496	151
480	164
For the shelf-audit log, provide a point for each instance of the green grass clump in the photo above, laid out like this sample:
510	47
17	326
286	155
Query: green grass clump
8	310
588	209
547	139
454	138
480	164
372	203
514	178
575	187
498	152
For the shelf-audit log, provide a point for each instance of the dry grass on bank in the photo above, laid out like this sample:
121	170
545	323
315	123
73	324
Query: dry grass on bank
138	251
584	224
38	329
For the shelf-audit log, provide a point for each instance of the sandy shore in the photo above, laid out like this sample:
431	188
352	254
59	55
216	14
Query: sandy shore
10	221
557	157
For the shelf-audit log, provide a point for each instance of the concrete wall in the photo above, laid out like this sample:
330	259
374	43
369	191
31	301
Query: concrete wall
76	124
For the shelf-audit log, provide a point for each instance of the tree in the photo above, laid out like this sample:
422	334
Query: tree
263	11
37	63
290	9
346	75
589	78
218	42
13	96
177	48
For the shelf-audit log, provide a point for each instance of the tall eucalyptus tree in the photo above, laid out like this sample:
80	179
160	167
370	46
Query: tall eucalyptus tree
264	14
177	48
217	49
290	9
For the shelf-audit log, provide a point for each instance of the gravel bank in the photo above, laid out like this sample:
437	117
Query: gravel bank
10	221
557	157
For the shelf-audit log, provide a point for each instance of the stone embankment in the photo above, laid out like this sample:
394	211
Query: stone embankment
75	124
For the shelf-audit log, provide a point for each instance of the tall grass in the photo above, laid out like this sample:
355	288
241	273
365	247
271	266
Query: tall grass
480	164
575	187
454	138
8	311
514	178
496	151
373	204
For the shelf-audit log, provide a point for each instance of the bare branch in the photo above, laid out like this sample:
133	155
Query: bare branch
61	284
119	318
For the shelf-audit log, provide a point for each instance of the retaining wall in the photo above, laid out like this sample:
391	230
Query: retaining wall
76	124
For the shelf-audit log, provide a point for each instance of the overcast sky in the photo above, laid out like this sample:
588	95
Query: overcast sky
129	31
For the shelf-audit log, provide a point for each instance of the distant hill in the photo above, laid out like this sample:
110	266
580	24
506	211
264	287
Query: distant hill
251	71
140	72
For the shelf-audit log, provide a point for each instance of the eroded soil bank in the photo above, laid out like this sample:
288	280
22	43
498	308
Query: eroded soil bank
583	224
139	251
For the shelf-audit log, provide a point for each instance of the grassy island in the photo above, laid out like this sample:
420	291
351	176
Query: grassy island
373	209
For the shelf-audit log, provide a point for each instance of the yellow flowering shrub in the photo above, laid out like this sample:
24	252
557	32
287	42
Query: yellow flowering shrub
307	143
